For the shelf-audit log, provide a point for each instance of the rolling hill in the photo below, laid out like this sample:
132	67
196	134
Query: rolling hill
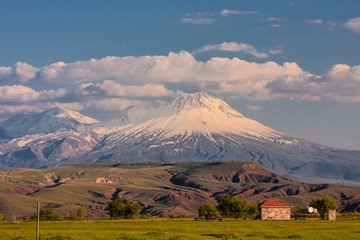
163	189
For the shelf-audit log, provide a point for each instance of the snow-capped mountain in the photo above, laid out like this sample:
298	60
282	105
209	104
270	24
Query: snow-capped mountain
52	120
188	117
42	139
194	126
125	118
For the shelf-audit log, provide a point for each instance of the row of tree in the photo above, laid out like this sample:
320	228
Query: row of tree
230	206
49	214
118	208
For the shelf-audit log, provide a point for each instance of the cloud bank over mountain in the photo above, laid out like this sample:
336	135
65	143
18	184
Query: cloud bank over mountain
123	81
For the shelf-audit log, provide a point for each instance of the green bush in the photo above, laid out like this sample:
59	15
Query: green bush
48	214
71	217
123	208
207	211
146	216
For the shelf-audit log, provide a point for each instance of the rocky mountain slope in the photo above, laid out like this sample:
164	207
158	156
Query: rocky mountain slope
191	127
162	189
43	139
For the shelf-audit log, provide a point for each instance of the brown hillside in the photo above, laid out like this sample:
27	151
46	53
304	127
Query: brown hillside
162	188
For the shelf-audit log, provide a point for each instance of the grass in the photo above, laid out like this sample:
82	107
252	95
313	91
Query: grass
163	229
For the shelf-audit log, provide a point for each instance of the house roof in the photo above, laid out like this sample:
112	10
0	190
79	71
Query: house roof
275	203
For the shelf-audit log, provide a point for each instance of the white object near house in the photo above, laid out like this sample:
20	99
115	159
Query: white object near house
275	210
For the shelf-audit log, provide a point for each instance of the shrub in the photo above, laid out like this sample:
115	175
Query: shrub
146	216
208	211
71	217
123	208
49	214
81	212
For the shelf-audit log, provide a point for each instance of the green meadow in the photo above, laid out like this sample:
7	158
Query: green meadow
182	229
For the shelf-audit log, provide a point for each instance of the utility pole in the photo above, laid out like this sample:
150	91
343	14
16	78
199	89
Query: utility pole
38	221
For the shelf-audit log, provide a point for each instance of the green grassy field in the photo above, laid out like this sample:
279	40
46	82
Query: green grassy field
183	229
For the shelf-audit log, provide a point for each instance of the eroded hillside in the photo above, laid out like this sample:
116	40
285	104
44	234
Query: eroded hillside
162	188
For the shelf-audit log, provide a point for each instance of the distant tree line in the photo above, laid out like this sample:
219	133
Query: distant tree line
229	206
238	208
118	208
49	214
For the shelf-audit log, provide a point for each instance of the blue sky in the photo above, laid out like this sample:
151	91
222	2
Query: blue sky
291	65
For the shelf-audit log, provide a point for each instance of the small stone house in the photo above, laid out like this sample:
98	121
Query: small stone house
275	210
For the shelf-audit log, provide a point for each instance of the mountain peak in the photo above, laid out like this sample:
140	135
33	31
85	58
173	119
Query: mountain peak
198	113
60	112
51	120
201	100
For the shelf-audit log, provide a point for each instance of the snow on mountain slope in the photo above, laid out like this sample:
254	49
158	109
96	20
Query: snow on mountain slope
52	120
43	150
124	119
197	113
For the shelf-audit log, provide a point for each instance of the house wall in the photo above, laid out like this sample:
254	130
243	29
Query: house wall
332	215
274	213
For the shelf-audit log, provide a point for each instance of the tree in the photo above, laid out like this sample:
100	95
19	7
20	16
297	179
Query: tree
123	208
298	211
230	206
81	212
254	210
2	216
207	210
71	217
323	205
225	205
239	208
49	214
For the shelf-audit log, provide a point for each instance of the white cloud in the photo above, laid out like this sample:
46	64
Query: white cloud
25	72
227	12
273	19
340	83
254	107
198	20
353	24
138	78
111	88
233	47
274	52
4	71
332	24
274	25
111	104
317	21
21	94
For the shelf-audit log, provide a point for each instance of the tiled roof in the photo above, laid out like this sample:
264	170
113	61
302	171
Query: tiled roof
275	203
